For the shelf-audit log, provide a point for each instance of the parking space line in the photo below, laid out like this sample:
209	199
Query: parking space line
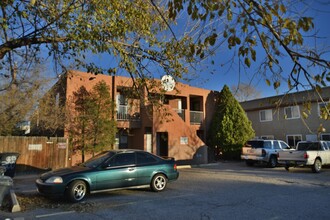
54	214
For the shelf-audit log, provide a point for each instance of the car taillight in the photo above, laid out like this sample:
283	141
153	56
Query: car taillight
174	167
306	156
263	152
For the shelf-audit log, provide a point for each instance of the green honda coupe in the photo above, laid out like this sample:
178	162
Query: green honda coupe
116	169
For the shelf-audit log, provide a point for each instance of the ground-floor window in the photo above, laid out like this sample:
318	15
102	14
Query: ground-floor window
311	137
325	137
292	140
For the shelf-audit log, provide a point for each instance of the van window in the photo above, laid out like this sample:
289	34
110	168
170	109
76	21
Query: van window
276	145
268	144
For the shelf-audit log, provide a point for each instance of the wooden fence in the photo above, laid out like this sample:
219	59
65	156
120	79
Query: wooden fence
37	153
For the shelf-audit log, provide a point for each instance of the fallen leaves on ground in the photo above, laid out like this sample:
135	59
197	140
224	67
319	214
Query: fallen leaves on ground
33	201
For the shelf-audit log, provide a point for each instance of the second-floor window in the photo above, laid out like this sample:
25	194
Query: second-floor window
291	112
122	107
266	115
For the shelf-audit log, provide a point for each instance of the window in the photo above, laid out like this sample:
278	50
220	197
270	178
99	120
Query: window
323	107
291	112
123	159
309	146
276	145
268	145
122	107
325	137
284	145
145	158
292	140
266	115
121	99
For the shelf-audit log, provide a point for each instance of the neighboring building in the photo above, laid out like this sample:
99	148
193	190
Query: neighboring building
181	134
283	117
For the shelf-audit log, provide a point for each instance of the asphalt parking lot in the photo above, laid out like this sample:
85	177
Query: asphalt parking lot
224	190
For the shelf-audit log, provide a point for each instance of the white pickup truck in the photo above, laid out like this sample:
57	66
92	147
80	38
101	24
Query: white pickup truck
312	154
262	151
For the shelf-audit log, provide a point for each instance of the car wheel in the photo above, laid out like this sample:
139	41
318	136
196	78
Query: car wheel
272	162
76	191
317	166
287	167
158	183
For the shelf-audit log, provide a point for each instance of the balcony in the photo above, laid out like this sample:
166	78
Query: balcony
127	119
196	117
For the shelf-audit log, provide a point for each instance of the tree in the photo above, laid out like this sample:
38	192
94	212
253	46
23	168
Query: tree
18	102
230	127
244	92
91	124
79	124
49	118
280	28
145	36
102	118
71	30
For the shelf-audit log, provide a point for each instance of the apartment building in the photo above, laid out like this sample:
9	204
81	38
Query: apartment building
177	128
284	116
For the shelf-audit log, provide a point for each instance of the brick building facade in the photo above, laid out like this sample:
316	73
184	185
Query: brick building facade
177	128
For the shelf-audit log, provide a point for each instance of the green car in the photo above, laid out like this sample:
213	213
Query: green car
116	169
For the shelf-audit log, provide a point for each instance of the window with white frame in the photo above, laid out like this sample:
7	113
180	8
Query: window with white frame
291	112
293	139
266	115
325	137
323	107
122	107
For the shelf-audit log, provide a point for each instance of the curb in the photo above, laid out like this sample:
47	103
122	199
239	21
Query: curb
196	165
15	207
183	166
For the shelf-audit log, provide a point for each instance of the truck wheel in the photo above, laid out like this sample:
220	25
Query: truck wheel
272	162
317	166
249	163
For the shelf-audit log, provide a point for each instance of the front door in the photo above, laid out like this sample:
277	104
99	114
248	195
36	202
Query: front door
162	144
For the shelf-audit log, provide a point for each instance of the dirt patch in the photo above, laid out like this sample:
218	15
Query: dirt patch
33	201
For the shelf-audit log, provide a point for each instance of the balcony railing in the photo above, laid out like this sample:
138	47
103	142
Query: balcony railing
123	114
196	117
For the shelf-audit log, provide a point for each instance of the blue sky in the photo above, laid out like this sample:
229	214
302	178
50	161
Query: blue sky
320	11
214	77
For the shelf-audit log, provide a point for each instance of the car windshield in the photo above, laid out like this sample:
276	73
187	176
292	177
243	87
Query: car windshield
97	160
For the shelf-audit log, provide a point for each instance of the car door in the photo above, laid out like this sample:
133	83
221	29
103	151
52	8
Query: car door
284	146
147	165
118	172
326	153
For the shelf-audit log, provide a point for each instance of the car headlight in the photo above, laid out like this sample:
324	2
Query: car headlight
54	179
